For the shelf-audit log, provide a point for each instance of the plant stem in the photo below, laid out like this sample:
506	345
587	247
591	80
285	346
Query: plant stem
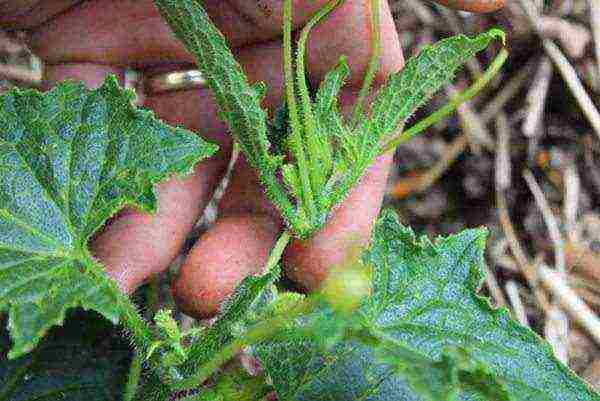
451	106
259	332
373	62
277	251
296	143
316	151
133	378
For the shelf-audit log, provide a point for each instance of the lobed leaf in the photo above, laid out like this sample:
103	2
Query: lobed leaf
425	303
69	160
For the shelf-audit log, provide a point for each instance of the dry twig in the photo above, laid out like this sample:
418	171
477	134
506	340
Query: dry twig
512	290
549	219
536	98
565	68
525	265
570	301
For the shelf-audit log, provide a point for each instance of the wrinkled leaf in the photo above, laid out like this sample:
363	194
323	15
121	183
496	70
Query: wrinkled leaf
456	374
69	160
424	301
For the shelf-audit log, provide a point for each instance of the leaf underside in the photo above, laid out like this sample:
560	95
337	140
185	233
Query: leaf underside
425	311
69	160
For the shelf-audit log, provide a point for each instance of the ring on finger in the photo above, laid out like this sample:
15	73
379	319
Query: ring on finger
174	81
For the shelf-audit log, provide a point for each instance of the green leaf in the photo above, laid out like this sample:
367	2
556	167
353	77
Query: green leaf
326	107
456	373
239	102
425	301
86	359
69	160
421	77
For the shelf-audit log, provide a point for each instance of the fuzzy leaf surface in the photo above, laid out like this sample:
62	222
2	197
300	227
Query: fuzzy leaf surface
421	77
424	301
71	158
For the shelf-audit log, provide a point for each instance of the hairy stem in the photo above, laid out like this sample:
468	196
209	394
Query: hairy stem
373	66
296	142
277	251
133	378
451	106
316	151
260	332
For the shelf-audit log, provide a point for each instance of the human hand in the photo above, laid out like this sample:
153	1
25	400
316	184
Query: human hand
88	40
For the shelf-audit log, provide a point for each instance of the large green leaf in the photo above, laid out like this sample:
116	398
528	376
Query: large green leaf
86	359
69	160
424	309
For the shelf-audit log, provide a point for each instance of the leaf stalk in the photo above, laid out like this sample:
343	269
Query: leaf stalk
296	137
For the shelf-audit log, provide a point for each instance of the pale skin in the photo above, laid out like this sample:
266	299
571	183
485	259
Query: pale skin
88	40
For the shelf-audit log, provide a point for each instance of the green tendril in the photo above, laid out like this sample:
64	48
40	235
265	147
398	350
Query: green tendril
374	62
320	152
451	106
296	140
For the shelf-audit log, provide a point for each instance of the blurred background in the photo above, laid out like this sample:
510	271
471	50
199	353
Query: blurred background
521	159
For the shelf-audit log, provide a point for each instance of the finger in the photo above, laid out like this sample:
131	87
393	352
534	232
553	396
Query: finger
476	6
237	246
239	243
131	32
347	31
138	245
24	14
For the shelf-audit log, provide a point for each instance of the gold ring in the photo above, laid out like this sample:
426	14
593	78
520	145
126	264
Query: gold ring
175	81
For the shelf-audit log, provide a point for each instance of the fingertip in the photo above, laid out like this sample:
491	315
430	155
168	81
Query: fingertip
234	248
309	262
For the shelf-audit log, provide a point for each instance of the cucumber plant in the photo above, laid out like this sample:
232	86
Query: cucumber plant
400	321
